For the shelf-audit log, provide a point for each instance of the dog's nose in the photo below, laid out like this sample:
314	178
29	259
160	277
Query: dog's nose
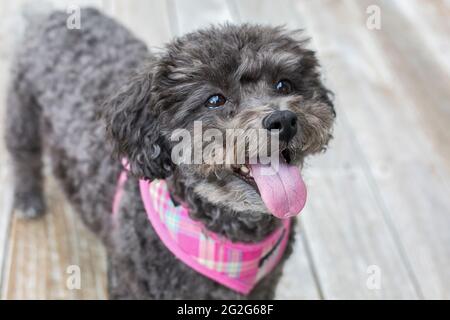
285	121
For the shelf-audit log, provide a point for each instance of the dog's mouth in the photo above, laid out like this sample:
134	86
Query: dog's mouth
280	185
244	172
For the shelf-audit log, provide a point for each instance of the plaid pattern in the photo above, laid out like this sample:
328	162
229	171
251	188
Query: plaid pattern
238	266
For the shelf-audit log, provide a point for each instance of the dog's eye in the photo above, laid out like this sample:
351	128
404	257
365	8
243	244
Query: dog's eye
215	101
283	86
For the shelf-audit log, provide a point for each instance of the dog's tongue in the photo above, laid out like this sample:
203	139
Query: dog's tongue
282	189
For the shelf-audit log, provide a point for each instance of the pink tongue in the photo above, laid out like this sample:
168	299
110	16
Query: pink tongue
282	189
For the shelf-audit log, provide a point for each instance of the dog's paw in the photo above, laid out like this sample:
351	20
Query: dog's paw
29	207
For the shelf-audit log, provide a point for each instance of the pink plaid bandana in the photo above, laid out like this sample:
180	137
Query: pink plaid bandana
238	266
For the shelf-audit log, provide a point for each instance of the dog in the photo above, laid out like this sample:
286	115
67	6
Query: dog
93	96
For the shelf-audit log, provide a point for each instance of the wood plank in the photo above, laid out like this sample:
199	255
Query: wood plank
41	251
298	279
343	222
432	24
195	14
148	20
383	112
422	83
430	101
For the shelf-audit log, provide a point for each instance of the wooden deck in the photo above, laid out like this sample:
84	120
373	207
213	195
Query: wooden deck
379	199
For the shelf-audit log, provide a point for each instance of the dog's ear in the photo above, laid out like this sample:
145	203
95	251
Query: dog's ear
133	127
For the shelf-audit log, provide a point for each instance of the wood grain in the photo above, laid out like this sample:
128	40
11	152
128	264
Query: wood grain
41	251
383	111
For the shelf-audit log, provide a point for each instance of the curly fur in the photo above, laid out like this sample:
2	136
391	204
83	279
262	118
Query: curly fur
88	94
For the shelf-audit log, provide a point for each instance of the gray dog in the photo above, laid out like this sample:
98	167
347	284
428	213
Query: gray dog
85	95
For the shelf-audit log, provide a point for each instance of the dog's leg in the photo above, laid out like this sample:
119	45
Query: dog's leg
23	140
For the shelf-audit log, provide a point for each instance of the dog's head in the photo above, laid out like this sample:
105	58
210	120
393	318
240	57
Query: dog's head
238	80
